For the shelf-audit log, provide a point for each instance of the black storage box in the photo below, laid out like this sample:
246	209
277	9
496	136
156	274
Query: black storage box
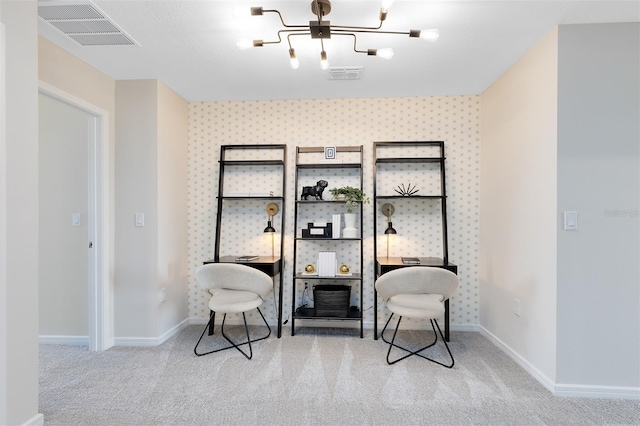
331	300
318	231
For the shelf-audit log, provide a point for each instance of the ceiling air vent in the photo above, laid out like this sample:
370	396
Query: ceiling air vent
85	24
344	73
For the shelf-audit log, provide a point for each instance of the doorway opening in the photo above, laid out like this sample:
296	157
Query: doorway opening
74	234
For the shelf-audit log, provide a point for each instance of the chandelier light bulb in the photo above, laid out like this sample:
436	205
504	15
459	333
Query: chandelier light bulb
244	44
324	63
241	13
430	35
386	4
295	63
386	53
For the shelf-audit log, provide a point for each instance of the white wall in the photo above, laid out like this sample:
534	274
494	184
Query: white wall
172	206
3	230
136	192
598	174
75	78
19	217
518	221
151	160
151	178
63	190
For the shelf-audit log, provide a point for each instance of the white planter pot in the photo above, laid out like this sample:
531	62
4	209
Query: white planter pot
350	230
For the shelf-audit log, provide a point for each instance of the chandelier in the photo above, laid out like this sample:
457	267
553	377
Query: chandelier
322	30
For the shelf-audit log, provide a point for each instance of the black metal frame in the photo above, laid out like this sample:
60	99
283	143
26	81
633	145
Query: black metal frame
210	324
392	344
299	312
224	163
378	160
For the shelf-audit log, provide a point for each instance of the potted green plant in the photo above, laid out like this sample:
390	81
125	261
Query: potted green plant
351	195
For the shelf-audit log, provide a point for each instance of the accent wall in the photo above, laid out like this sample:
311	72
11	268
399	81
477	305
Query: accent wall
453	119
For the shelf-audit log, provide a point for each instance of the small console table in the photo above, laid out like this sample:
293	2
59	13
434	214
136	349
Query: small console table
386	264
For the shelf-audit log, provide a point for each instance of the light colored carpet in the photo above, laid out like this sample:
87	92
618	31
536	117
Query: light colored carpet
320	376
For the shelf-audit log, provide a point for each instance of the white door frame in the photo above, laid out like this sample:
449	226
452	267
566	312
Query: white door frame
101	319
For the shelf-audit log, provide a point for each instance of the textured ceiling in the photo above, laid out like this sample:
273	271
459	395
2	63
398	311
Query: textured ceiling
190	45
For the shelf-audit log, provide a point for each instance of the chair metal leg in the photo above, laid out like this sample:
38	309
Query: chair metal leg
212	322
209	327
417	352
233	345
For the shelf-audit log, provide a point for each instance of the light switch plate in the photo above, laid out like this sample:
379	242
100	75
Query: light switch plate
139	219
570	221
76	219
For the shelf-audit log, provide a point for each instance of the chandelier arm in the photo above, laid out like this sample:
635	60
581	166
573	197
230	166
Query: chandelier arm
348	27
340	30
302	31
355	48
370	52
282	20
295	34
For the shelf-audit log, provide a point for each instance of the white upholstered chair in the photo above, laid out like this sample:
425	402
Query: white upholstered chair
234	289
416	292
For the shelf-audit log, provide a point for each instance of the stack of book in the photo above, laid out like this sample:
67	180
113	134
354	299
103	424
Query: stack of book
327	264
336	226
411	260
247	258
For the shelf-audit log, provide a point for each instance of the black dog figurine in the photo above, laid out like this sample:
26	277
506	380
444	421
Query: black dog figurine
314	191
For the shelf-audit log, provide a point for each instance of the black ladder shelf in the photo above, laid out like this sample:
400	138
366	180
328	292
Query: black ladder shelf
418	155
304	174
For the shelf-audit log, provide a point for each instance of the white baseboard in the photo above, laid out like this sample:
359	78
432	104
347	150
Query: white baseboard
64	340
528	367
151	341
368	325
589	391
118	341
37	420
565	390
155	341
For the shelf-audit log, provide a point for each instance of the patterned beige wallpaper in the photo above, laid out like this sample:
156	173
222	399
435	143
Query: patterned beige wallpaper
452	119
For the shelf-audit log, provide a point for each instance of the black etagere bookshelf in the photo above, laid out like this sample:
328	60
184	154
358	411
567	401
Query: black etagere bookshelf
355	280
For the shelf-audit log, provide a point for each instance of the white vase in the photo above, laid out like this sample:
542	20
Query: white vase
350	230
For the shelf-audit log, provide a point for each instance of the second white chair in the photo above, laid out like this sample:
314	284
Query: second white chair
417	292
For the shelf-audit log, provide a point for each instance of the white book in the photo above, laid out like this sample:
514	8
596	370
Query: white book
335	227
322	264
327	264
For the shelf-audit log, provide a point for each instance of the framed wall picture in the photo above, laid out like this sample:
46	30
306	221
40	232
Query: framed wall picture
330	152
